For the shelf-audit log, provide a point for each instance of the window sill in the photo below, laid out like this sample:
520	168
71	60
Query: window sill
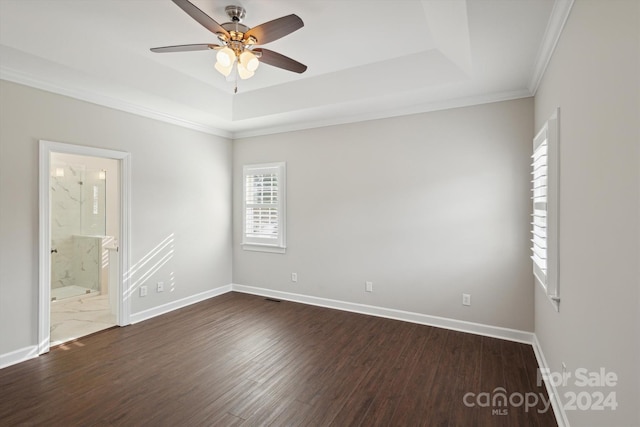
554	300
263	248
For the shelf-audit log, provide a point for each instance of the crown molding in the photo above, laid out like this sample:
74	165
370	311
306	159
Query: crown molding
557	21
19	77
15	76
385	114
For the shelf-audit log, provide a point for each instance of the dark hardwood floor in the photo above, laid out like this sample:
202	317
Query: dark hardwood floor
243	360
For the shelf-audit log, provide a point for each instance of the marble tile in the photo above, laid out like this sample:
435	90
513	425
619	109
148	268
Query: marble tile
76	317
87	261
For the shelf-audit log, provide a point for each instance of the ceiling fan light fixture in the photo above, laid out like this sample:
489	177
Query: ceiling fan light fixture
225	71
238	40
243	72
226	57
249	60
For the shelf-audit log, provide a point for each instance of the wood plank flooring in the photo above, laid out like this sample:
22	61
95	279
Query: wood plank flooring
241	360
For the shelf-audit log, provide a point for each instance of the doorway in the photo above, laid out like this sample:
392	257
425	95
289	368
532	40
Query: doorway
84	225
84	242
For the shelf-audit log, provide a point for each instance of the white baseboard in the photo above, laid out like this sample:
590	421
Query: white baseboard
31	352
422	319
17	356
174	305
556	403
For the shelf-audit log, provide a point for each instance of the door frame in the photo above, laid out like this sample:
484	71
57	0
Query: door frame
44	292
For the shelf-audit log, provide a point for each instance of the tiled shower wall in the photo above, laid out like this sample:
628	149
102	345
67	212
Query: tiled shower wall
77	219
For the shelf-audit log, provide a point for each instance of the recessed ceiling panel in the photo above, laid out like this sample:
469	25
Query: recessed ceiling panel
400	75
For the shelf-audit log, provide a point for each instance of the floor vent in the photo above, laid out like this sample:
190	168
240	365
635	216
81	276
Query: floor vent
273	300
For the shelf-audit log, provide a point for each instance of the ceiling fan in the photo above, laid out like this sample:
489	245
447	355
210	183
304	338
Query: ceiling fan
238	41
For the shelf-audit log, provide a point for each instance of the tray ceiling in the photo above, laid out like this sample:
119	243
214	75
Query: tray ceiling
366	59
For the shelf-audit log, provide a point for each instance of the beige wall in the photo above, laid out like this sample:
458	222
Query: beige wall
181	189
425	206
593	78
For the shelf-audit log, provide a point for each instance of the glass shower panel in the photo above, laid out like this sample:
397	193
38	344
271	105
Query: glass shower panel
78	222
92	207
66	197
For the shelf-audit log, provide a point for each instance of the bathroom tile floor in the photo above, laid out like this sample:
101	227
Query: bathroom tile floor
73	318
71	291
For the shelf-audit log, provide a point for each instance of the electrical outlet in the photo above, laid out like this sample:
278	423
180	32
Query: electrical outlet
143	291
294	277
368	286
466	299
160	287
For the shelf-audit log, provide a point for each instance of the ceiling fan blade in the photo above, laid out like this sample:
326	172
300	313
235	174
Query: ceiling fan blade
278	60
273	30
183	48
205	20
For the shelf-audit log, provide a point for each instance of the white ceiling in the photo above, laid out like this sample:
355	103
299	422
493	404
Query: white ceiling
366	59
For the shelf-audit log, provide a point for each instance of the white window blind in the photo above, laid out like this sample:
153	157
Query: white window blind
264	207
544	224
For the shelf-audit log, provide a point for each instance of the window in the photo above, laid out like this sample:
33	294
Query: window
544	227
263	208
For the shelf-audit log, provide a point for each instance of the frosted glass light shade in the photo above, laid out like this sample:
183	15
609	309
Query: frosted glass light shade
249	60
226	57
243	72
225	71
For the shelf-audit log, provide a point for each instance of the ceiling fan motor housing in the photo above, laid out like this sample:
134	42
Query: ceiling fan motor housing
235	29
236	13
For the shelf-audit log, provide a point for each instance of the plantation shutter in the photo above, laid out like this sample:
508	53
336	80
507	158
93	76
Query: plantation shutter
545	172
264	205
539	189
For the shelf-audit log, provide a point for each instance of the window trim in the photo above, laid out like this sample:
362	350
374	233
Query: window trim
549	282
252	245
